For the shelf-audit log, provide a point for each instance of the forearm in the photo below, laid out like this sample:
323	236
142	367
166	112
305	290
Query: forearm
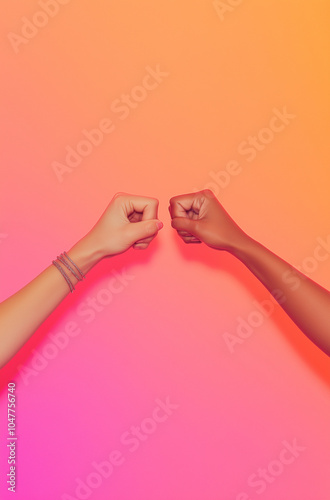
22	313
306	302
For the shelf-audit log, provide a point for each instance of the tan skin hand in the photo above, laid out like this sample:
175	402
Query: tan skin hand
114	234
128	221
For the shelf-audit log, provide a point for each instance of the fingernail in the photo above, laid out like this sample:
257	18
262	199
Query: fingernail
159	224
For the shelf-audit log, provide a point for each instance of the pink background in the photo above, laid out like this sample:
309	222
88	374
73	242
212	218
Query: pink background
162	335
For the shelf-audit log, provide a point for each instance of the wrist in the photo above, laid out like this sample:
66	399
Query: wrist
242	246
85	254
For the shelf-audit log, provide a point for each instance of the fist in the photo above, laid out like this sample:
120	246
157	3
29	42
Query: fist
128	221
199	217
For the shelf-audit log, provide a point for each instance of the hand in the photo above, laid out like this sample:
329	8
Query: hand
199	217
128	220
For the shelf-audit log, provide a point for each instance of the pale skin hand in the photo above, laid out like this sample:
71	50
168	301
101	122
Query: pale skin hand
128	221
199	217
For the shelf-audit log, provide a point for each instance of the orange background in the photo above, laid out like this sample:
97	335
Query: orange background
162	336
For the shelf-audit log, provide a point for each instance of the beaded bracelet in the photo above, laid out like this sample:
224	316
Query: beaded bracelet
80	272
64	276
79	276
61	259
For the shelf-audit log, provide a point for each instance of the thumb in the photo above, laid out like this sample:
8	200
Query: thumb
144	229
185	224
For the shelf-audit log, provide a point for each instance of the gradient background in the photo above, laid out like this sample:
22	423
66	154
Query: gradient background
162	336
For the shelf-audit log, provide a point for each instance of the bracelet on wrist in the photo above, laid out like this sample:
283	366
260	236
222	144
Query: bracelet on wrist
66	261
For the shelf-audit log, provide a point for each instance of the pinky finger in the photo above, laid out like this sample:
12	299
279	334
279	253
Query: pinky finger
190	239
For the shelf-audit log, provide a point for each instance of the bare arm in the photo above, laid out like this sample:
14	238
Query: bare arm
22	313
199	217
306	302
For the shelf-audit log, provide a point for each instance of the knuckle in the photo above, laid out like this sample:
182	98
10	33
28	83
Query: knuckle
120	194
208	193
